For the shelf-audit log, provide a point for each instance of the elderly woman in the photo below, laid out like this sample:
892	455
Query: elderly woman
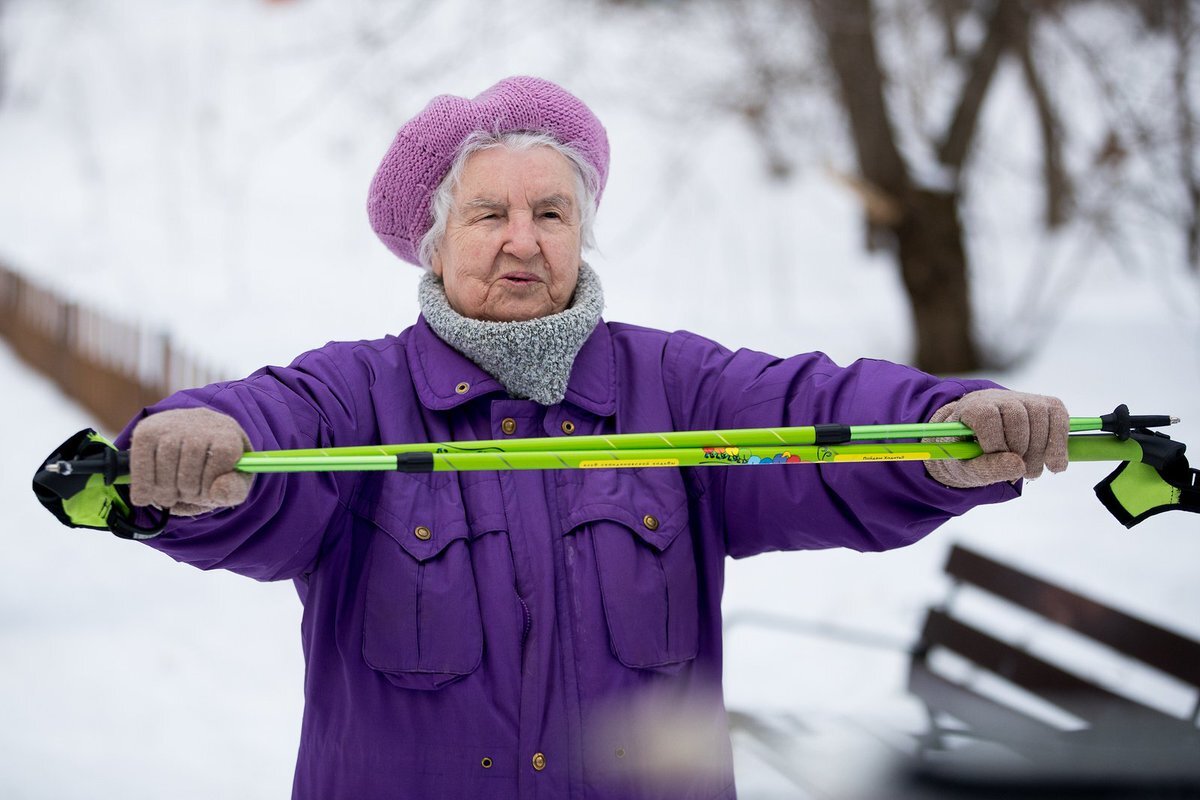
534	634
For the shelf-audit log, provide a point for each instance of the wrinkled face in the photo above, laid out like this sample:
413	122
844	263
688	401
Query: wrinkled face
512	246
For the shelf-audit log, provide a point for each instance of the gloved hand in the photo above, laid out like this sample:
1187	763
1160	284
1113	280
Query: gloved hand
184	459
1019	434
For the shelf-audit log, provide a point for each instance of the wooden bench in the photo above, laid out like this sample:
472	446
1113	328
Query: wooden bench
980	734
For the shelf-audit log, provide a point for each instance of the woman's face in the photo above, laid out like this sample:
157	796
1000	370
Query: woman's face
512	246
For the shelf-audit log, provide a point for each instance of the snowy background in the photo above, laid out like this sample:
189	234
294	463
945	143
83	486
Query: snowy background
202	167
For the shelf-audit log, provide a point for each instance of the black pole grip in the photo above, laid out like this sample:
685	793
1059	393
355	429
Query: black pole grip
1121	423
112	464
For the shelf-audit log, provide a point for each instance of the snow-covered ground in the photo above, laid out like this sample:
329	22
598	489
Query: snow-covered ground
203	167
125	674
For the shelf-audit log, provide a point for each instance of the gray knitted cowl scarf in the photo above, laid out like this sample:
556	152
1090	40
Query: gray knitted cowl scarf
531	359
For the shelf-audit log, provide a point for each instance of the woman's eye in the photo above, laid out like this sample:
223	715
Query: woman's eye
552	215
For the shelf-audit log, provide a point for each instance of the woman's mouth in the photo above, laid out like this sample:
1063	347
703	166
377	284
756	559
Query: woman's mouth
520	278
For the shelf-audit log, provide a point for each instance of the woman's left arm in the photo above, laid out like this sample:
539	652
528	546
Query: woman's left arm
859	506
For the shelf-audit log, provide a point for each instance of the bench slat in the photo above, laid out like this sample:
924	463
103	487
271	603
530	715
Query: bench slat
1074	694
1161	648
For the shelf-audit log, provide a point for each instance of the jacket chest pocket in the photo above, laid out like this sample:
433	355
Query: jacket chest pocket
645	560
421	624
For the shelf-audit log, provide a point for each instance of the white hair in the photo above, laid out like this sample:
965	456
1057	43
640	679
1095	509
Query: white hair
587	184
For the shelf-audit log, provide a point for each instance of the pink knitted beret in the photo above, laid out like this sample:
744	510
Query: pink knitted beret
424	148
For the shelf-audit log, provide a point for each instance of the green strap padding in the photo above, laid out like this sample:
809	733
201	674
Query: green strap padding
1139	488
90	507
1136	491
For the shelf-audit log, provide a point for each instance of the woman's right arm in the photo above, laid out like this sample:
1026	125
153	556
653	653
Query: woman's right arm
278	530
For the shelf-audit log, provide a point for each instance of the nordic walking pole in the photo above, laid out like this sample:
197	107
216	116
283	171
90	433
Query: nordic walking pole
831	434
1079	448
815	444
79	481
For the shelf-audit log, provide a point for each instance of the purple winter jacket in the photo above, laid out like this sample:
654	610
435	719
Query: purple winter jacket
497	634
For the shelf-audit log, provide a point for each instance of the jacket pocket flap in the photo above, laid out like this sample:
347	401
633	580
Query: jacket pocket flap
650	502
422	517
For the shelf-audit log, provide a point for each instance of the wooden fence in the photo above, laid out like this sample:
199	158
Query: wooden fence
112	367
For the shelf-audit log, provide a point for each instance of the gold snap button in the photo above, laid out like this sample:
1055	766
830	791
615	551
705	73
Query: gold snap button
508	425
463	388
568	427
620	752
486	763
422	533
539	762
650	522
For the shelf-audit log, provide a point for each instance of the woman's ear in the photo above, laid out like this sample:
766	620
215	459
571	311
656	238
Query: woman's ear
435	263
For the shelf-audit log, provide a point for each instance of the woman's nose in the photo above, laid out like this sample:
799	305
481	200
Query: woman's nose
521	238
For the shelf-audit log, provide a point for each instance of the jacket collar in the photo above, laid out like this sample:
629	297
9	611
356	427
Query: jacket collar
444	378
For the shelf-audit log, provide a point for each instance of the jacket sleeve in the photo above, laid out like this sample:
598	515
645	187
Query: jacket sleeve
862	507
278	531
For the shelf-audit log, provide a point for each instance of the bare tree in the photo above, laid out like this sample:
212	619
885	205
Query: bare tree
924	221
1149	155
915	165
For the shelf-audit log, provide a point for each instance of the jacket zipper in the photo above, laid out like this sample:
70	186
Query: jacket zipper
528	619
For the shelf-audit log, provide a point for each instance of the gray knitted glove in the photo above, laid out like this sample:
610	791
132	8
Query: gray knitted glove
184	459
1019	434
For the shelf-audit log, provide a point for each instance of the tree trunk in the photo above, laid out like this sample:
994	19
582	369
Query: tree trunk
933	266
927	229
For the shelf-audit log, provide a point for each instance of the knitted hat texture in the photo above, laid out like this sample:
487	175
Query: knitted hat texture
401	193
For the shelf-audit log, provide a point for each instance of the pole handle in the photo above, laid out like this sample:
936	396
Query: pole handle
112	464
1099	447
1122	424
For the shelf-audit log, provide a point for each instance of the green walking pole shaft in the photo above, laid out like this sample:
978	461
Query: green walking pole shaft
1079	448
745	437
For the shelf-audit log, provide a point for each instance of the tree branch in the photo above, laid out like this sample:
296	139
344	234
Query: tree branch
755	106
1055	181
848	27
1007	26
948	12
